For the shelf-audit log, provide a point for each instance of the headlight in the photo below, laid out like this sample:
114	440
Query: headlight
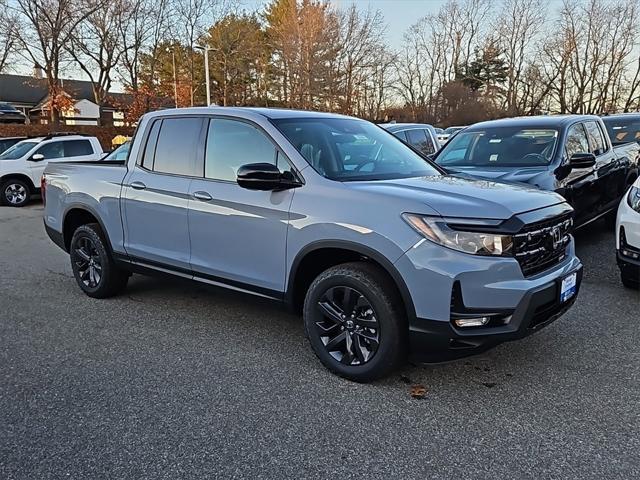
476	243
633	199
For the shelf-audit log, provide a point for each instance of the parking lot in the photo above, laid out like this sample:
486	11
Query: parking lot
173	379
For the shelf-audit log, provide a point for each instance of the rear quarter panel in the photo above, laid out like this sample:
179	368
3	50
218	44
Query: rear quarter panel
91	187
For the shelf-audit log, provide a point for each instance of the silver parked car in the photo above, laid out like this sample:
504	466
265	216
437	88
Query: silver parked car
384	254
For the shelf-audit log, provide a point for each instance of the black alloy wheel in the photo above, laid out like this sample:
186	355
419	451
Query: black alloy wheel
88	262
348	328
93	266
355	321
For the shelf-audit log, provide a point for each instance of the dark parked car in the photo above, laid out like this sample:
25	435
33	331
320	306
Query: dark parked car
571	155
6	142
10	114
623	128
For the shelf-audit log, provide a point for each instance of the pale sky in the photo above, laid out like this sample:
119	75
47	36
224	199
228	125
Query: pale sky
398	14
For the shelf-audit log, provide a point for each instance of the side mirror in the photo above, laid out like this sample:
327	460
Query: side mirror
37	157
582	160
265	176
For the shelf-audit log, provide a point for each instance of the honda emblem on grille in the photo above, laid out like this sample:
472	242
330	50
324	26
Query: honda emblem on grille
556	237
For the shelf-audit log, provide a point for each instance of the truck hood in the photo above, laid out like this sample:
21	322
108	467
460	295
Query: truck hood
452	196
524	175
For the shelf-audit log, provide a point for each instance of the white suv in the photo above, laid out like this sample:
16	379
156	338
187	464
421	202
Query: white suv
21	166
628	237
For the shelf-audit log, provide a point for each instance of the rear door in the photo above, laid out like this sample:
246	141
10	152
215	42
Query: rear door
579	185
610	171
155	194
238	236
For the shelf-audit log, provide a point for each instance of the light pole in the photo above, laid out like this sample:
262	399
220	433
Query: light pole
175	76
206	49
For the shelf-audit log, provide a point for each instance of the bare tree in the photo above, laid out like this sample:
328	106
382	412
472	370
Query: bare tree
361	43
145	28
48	27
96	48
8	34
518	27
191	18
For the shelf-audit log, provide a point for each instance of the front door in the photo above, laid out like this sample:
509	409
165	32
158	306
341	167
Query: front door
238	236
156	194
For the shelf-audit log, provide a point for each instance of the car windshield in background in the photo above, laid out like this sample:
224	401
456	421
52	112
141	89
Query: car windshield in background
120	153
5	107
17	151
623	130
452	130
497	147
349	149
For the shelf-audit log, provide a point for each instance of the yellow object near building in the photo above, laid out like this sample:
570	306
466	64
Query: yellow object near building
119	140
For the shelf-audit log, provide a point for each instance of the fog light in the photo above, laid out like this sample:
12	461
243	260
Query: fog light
471	322
630	254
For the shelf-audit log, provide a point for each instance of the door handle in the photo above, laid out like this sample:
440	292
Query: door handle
204	196
138	185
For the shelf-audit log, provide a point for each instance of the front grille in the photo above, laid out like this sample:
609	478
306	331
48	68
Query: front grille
541	245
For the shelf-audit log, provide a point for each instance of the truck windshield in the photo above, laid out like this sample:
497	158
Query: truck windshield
346	149
17	151
499	147
623	130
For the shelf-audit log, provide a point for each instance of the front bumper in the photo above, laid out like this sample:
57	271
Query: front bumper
437	341
439	280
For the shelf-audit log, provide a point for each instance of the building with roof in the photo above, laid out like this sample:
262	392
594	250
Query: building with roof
30	95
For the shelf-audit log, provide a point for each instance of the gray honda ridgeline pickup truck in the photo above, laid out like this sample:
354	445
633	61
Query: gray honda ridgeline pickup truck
385	255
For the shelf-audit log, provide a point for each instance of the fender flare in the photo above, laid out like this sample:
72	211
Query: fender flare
374	255
92	211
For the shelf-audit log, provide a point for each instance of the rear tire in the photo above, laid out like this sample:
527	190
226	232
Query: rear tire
93	267
353	319
15	193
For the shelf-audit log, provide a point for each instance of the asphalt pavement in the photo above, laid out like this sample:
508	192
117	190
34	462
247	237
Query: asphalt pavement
177	380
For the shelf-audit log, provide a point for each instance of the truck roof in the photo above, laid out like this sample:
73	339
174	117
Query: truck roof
402	126
538	121
271	113
620	116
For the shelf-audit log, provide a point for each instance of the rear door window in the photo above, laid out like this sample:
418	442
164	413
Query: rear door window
77	148
577	141
420	140
177	148
596	140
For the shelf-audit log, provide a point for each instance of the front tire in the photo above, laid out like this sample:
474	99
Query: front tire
93	267
353	320
15	193
629	281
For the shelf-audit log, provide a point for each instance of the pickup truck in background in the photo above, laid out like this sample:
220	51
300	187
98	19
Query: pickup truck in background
623	127
384	254
571	155
22	165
